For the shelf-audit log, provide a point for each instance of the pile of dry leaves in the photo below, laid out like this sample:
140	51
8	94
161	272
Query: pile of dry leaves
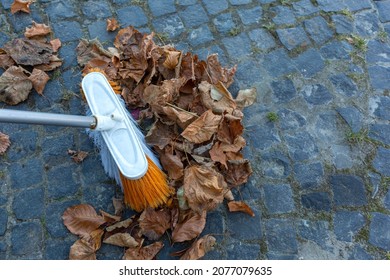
196	131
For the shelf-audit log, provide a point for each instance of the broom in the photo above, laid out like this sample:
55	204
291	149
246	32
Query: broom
124	153
151	190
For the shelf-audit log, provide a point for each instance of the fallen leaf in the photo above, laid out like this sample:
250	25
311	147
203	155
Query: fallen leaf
21	5
238	172
39	79
29	52
55	44
240	206
5	60
14	85
172	59
203	188
172	163
82	220
217	73
144	253
54	63
160	135
37	29
78	156
199	248
112	24
119	206
109	218
122	240
122	224
190	227
82	250
203	128
154	223
246	97
93	49
4	143
217	154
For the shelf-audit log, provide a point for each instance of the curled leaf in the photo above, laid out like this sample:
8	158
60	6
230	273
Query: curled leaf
240	206
144	253
14	85
199	248
246	97
82	250
39	79
21	6
154	223
55	44
172	59
190	227
122	240
78	156
4	143
29	52
112	24
37	29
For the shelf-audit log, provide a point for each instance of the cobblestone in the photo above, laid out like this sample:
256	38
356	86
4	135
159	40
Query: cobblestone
322	67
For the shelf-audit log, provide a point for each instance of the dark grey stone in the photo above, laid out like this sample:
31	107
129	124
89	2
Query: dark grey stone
98	29
386	201
239	2
289	119
366	24
24	144
132	15
171	25
28	174
57	249
375	182
186	2
381	161
53	148
3	221
3	250
241	251
68	51
328	130
293	37
100	195
275	165
61	182
279	199
319	201
354	5
377	52
250	191
382	109
4	38
301	146
343	24
241	226
162	7
215	7
29	204
358	253
383	10
336	50
380	231
380	132
200	35
7	3
281	236
241	40
96	9
309	175
282	15
60	10
263	136
284	90
20	21
348	190
266	1
279	257
316	94
262	39
250	16
344	85
54	223
215	225
353	117
379	76
316	231
26	238
68	31
72	82
318	29
278	63
193	16
347	224
309	63
224	23
331	5
304	8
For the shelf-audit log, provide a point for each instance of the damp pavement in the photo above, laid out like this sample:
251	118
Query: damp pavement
318	134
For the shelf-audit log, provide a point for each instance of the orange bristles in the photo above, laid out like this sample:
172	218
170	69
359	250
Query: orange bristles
151	190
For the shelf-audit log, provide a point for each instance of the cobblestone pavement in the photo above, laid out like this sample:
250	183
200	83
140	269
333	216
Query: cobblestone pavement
318	135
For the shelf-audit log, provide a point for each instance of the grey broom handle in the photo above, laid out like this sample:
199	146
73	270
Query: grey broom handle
27	117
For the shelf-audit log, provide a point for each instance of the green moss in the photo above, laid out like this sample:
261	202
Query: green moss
272	117
234	31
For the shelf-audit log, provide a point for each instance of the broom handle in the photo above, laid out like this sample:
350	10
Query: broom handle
26	117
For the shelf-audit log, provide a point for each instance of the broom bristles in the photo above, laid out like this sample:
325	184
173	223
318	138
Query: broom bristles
151	190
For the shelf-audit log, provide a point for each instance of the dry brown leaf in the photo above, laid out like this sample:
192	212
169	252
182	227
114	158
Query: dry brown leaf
172	163
217	154
144	253
190	227
154	223
37	29
182	117
122	240
109	218
172	59
5	59
112	24
21	5
39	79
78	156
93	49
82	220
203	188
219	74
29	52
246	97
199	248
160	135
55	44
119	206
238	172
4	143
203	128
240	206
54	63
122	224
82	250
14	85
